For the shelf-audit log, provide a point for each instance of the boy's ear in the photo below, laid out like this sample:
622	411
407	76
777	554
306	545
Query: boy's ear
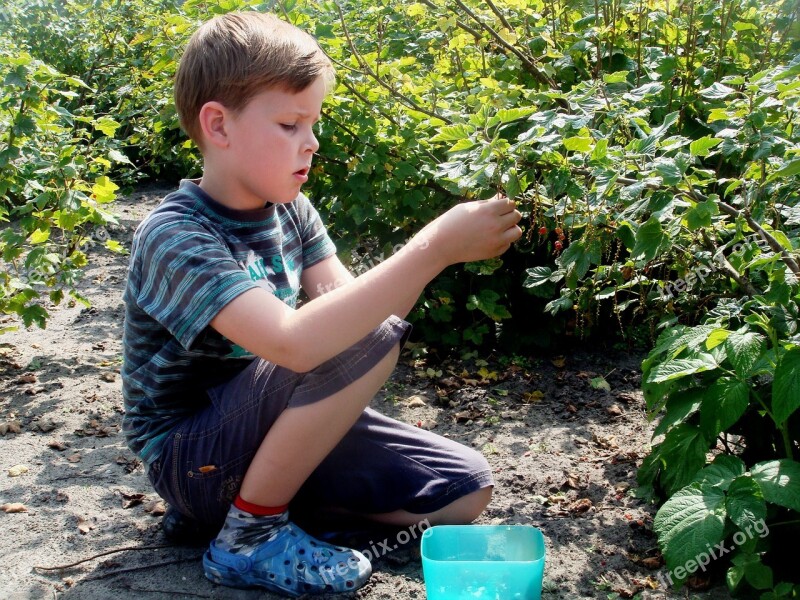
213	120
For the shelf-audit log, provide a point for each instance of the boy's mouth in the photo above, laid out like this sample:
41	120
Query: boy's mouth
302	174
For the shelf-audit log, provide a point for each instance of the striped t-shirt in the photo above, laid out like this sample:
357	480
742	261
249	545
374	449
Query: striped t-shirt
190	257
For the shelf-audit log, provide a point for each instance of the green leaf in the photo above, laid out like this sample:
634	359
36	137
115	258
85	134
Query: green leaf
745	503
779	481
786	386
744	349
117	156
700	215
717	337
626	234
748	566
679	407
681	455
107	125
717	91
651	240
787	170
617	77
452	133
104	190
115	247
689	523
721	472
578	144
576	260
40	236
681	367
703	146
34	314
726	401
669	170
541	275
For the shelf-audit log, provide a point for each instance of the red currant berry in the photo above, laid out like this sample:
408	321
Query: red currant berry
542	230
559	245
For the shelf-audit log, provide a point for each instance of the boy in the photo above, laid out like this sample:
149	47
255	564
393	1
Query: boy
237	401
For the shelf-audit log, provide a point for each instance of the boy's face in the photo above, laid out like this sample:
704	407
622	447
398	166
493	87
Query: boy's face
272	143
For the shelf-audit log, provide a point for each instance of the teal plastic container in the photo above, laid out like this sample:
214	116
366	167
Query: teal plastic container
487	562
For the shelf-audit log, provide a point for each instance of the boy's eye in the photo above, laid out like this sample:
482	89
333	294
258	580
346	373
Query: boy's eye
289	126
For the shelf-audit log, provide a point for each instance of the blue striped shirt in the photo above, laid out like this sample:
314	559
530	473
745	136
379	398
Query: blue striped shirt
190	257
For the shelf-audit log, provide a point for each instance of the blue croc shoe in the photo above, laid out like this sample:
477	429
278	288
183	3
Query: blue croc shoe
291	563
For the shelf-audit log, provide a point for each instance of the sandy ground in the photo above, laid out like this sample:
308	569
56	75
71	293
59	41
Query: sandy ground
564	454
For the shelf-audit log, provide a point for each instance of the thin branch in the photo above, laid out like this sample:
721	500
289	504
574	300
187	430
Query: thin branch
788	260
164	563
459	22
500	16
726	208
527	62
364	65
106	553
728	268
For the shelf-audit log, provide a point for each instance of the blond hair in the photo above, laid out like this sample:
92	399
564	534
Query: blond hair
235	56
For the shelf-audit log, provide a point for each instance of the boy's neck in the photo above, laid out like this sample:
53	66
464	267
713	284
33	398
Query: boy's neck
223	193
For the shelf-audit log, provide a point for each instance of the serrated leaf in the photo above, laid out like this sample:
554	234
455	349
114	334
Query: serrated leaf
744	349
703	146
578	144
726	401
689	522
716	337
107	125
786	386
616	77
681	455
541	275
745	503
452	133
669	170
681	367
717	91
679	407
721	472
40	236
104	190
788	170
779	481
651	240
118	156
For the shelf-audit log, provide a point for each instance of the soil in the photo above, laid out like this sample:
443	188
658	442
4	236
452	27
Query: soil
564	449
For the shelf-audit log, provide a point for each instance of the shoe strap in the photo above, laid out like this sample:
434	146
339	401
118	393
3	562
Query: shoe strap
239	563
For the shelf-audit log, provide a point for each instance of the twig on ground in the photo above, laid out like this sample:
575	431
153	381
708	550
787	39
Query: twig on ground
141	567
106	553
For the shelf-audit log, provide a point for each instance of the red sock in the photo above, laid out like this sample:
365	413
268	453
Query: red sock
257	510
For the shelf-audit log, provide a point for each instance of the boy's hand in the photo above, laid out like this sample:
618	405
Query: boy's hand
472	231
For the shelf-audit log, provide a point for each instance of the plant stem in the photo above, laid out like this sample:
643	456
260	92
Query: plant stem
787	440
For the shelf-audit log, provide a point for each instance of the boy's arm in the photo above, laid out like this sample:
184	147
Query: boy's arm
329	274
322	328
326	275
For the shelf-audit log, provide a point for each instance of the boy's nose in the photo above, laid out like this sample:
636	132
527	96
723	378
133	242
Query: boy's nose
312	144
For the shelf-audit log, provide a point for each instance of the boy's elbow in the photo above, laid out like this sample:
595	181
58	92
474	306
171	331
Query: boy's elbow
296	359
